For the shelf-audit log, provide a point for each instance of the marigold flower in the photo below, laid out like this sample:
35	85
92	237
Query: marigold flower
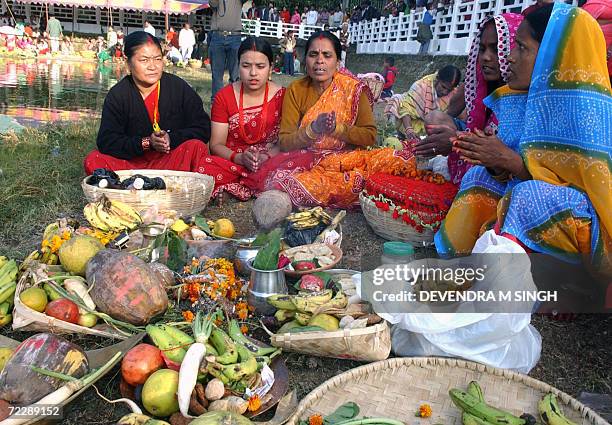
242	314
244	329
254	403
188	316
315	420
45	243
424	411
66	235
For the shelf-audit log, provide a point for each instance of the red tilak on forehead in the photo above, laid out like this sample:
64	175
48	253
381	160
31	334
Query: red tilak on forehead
253	47
150	40
321	37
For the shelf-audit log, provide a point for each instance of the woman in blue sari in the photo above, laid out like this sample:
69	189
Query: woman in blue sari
544	179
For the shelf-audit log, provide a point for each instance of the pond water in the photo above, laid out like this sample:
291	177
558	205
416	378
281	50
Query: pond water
33	92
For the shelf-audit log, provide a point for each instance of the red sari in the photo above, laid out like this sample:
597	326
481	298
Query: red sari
236	179
188	156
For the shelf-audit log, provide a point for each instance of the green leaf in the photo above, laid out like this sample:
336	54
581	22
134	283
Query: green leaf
267	257
347	411
177	252
325	277
202	224
260	240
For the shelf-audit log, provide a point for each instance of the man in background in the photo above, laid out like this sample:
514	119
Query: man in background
186	42
149	28
54	29
312	16
224	40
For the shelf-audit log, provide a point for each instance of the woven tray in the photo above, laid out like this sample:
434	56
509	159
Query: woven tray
385	226
396	387
367	344
26	319
337	253
187	193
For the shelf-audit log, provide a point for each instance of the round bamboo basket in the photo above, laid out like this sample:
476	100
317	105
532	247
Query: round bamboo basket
187	193
385	226
395	388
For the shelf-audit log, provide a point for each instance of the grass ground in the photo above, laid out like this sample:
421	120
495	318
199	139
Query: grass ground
40	181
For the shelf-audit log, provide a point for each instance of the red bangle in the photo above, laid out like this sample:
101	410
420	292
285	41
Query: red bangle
232	156
146	143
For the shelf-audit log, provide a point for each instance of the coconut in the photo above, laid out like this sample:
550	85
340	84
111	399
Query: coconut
75	253
270	209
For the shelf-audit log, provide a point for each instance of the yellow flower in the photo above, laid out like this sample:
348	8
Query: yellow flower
188	316
254	403
66	235
315	420
45	243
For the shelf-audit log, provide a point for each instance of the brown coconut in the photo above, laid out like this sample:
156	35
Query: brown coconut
270	209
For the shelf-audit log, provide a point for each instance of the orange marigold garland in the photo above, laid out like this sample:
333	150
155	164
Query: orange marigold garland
207	281
315	420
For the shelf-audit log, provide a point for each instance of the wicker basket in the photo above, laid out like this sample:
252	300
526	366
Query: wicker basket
26	319
385	226
396	387
367	344
186	193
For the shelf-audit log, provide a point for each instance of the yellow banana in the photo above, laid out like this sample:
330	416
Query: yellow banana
309	302
302	318
127	210
339	301
91	214
551	413
111	222
281	302
126	220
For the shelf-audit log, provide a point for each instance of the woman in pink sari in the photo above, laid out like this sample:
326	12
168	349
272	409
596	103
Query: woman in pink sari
487	69
245	125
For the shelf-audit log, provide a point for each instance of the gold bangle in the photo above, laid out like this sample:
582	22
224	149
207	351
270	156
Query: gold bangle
310	133
340	130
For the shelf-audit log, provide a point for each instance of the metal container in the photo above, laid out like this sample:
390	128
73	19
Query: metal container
262	284
244	253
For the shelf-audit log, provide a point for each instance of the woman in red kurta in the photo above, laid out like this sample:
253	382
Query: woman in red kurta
151	119
245	125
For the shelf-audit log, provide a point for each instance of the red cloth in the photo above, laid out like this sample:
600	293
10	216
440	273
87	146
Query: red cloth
390	77
285	16
172	38
234	178
188	156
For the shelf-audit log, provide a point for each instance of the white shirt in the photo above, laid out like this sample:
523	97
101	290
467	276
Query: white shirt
150	29
312	17
186	38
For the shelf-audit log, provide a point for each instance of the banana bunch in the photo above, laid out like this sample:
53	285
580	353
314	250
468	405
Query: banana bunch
111	216
8	284
477	412
309	218
305	305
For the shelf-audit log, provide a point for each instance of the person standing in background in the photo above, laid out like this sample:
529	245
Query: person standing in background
312	17
172	37
601	10
390	74
323	18
148	28
288	44
111	38
186	42
425	35
224	40
304	13
344	42
54	30
285	15
296	19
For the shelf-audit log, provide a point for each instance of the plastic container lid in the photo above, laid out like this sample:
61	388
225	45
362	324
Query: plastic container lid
398	248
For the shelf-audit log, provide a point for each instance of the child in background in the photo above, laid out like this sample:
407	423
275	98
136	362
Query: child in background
390	74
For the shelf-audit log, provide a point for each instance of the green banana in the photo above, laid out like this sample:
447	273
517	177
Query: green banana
281	302
3	261
302	318
217	373
283	315
483	411
7	292
8	273
51	292
238	337
178	335
246	367
474	389
210	350
468	419
224	346
551	413
5	320
162	340
4	308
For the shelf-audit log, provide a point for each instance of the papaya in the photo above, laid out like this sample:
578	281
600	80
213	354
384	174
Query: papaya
20	385
125	287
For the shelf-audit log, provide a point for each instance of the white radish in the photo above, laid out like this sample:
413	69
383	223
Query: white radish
190	366
78	288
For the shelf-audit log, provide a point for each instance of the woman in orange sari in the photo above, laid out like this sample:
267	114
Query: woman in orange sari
327	116
245	123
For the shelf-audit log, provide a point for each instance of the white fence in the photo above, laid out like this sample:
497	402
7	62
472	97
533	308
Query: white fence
453	28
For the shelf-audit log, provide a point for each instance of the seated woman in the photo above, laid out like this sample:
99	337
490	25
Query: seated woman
246	119
325	116
430	93
486	71
151	119
544	180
